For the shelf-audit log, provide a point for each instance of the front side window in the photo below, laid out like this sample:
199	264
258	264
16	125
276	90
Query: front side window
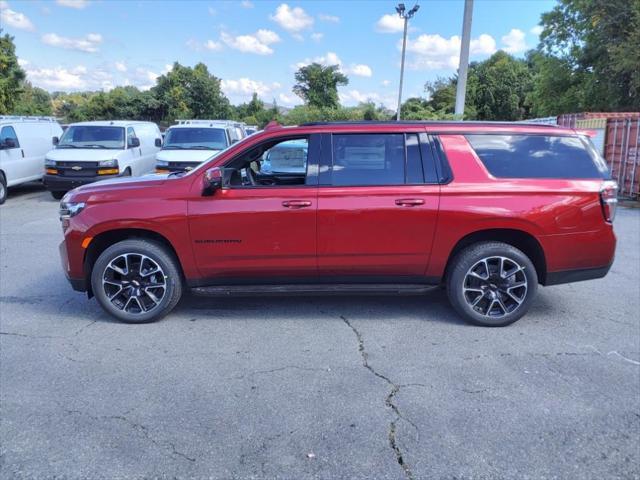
8	133
195	139
274	163
90	136
538	156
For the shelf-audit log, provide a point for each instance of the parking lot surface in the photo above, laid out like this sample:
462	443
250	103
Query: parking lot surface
321	387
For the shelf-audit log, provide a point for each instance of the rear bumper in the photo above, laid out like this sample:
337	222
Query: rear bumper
579	275
57	183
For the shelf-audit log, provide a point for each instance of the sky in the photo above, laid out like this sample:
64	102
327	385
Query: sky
256	46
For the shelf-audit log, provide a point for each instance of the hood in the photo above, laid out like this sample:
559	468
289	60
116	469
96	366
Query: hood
116	185
82	154
186	155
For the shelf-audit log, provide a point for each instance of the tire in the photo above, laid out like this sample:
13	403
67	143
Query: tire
491	284
3	188
58	195
125	296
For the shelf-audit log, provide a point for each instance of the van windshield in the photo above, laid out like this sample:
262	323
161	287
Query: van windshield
92	136
195	139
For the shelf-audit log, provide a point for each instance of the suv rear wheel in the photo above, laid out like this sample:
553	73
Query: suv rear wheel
136	281
491	284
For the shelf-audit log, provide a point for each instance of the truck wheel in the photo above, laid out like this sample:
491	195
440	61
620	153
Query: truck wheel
491	284
57	195
137	281
3	188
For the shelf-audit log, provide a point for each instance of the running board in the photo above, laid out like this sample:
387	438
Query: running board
314	289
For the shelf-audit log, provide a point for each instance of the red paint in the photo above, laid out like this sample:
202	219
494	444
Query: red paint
382	230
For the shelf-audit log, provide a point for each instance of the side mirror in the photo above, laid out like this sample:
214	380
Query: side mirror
235	140
55	140
158	142
212	181
134	142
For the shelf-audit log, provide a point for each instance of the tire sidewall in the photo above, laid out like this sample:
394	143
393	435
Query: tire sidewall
3	188
469	257
159	255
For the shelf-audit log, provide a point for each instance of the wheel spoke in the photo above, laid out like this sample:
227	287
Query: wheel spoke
477	300
151	295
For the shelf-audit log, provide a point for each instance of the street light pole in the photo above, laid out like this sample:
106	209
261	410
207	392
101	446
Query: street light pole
461	88
405	16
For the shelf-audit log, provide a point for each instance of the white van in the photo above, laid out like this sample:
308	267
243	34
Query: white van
24	141
191	142
92	151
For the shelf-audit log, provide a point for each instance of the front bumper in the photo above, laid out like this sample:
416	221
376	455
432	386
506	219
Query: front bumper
79	284
61	183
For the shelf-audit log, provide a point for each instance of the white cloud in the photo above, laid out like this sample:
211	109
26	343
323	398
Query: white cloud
292	19
354	97
14	19
289	100
257	43
329	18
213	46
121	66
198	46
89	43
22	62
70	79
360	70
79	4
434	52
317	36
386	83
514	41
246	4
246	86
331	58
537	30
390	24
212	11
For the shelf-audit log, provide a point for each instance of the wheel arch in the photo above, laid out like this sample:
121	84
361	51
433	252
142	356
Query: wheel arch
519	239
105	239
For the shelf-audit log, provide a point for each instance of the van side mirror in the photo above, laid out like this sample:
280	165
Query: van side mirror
8	143
158	142
134	142
212	180
55	140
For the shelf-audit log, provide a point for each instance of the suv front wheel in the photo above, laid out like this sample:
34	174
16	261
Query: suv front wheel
491	284
136	281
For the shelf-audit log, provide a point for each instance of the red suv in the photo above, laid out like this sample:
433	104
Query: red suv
489	210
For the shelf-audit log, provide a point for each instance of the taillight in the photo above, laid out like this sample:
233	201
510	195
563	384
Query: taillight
609	199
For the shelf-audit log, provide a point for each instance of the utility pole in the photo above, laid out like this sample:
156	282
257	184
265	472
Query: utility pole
405	16
464	59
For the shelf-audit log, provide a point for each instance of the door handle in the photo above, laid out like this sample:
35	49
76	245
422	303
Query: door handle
296	203
409	202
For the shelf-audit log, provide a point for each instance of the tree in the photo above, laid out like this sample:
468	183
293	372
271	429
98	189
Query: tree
190	92
595	45
33	101
416	108
318	85
11	75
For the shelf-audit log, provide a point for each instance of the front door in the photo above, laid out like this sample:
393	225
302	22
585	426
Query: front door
377	206
262	224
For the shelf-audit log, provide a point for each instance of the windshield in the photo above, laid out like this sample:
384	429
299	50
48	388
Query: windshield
90	136
195	139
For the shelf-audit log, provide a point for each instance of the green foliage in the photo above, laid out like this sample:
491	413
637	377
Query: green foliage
187	92
33	101
318	85
11	75
591	46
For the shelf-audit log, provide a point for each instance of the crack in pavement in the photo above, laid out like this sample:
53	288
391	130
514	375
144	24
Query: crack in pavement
395	388
137	427
279	369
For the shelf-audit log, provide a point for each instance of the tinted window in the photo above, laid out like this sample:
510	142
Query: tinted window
414	160
196	138
9	132
85	136
537	156
376	159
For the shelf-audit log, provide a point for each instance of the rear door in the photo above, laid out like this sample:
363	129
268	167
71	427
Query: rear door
377	205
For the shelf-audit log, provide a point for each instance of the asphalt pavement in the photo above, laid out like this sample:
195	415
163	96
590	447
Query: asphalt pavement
306	388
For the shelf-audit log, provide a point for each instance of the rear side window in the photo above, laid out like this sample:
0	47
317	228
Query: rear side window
9	133
538	156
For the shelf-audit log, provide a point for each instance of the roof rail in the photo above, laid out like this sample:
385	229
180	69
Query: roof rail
427	122
28	117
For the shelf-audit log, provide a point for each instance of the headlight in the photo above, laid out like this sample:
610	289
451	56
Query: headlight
49	163
108	163
70	209
162	163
